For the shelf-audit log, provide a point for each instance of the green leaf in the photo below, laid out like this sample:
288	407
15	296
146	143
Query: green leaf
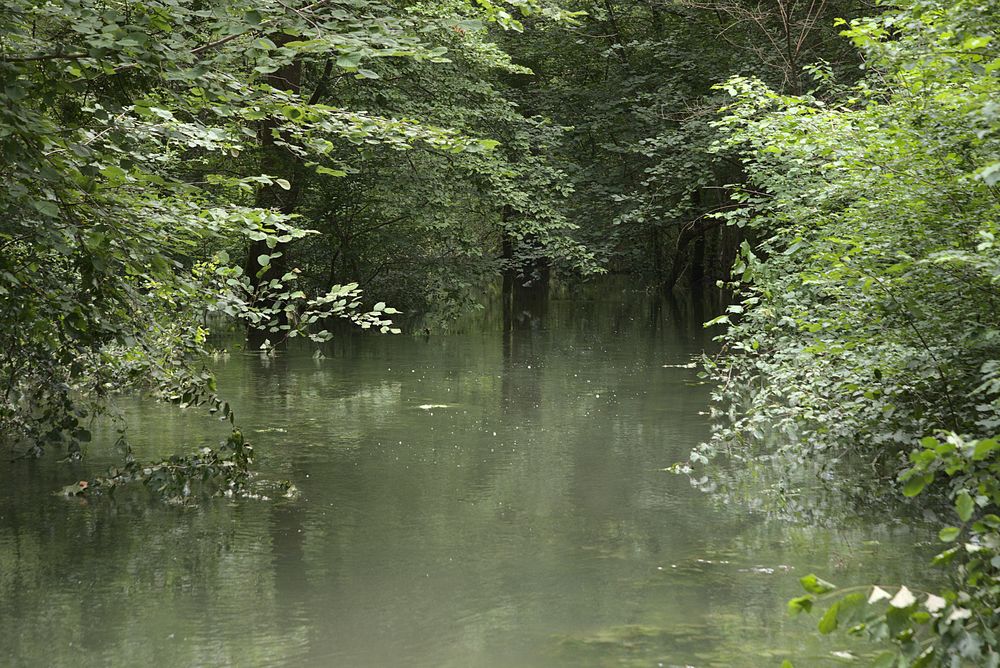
828	622
884	660
990	174
470	24
929	442
945	557
815	585
983	449
283	184
914	485
948	534
925	659
964	506
719	320
293	113
46	208
852	608
264	260
801	604
350	60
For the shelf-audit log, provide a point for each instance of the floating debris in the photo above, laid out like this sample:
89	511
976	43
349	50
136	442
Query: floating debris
767	570
428	407
76	489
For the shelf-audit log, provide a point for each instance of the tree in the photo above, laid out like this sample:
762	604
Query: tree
867	325
133	139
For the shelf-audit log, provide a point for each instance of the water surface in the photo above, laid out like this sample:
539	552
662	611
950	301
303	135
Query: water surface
481	499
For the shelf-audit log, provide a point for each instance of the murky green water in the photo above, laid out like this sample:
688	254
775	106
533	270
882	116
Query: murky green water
467	500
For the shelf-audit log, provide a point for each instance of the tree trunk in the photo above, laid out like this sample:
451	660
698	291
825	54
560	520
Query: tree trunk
275	161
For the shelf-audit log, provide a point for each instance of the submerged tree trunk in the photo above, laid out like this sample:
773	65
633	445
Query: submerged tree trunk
507	289
525	287
696	232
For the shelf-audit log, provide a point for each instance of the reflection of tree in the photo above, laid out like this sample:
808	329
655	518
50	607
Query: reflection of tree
278	381
524	312
687	313
130	583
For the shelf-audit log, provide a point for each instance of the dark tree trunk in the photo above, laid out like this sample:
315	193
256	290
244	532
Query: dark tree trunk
507	289
275	161
697	274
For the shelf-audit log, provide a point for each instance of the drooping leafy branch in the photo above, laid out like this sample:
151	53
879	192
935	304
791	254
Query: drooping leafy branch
136	148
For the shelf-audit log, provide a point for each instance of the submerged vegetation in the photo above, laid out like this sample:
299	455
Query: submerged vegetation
288	167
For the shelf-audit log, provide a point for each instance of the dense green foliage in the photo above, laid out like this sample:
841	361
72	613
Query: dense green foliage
868	318
170	163
153	159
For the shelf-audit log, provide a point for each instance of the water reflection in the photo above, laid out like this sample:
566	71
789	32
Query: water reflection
494	498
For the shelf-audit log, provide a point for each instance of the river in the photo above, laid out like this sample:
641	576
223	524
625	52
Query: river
472	499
